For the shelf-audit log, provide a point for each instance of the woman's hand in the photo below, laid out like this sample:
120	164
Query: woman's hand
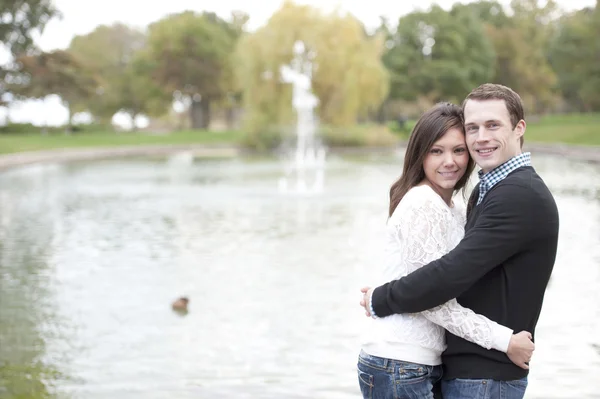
520	349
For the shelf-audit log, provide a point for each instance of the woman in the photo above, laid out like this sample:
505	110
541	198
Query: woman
401	355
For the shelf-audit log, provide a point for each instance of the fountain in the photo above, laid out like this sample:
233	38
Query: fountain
304	166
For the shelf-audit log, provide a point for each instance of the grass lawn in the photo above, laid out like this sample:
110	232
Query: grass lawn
578	129
11	143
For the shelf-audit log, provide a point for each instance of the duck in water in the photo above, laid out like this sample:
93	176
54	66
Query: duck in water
181	304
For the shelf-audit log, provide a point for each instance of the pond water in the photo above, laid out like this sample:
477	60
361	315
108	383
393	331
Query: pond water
92	255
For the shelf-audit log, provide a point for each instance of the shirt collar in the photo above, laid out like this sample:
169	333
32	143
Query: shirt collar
500	172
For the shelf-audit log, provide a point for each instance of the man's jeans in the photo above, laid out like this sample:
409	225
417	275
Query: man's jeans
381	378
484	389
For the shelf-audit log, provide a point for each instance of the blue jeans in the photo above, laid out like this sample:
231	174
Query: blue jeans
484	389
381	378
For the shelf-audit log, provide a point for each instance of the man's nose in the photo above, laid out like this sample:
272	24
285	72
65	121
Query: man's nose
482	134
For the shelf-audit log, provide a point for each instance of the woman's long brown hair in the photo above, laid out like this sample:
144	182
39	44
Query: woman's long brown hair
430	127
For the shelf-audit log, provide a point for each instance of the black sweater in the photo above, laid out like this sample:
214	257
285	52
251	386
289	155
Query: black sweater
500	269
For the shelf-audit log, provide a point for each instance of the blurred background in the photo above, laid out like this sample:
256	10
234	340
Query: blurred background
184	178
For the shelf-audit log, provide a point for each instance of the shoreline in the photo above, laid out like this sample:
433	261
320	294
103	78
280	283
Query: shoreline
582	153
8	161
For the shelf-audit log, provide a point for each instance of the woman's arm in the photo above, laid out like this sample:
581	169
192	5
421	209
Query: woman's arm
502	230
423	231
473	327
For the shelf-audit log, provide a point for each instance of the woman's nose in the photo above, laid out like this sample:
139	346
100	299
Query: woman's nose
449	160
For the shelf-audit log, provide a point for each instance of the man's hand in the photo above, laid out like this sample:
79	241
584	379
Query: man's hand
366	300
520	349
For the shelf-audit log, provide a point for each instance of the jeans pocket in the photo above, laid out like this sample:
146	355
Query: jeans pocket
515	389
518	383
365	381
412	373
465	388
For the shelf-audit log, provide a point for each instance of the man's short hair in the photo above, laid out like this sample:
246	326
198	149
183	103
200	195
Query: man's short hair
492	91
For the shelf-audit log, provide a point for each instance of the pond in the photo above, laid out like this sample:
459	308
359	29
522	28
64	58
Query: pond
92	255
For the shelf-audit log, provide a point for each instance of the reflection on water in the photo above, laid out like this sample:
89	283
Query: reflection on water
29	325
92	255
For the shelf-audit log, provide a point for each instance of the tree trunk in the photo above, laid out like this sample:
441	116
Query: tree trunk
200	113
8	116
381	115
45	126
69	127
133	115
230	117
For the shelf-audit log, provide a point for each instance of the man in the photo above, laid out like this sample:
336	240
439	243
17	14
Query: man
502	266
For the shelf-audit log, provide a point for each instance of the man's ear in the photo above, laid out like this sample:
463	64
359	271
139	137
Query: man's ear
520	128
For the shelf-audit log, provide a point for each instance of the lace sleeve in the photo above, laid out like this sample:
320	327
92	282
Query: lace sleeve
423	230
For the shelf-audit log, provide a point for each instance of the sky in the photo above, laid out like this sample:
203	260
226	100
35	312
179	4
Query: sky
82	16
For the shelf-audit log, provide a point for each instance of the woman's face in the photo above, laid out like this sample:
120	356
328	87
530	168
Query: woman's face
446	161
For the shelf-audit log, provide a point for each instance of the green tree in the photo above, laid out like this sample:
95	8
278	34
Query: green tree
115	54
349	78
490	12
137	94
56	72
532	30
190	56
20	19
438	54
520	44
575	55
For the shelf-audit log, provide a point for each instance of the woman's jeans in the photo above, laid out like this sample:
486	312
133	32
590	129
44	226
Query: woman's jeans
381	378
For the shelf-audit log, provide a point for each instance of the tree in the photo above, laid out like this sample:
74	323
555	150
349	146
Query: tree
520	42
191	57
137	94
115	54
575	55
438	54
491	12
533	28
20	19
57	73
349	78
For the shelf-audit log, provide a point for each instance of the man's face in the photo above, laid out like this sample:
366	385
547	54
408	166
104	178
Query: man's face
490	136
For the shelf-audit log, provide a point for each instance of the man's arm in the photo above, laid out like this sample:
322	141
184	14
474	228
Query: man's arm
501	231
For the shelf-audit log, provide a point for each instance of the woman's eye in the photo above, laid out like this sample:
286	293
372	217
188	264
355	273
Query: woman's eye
436	151
460	150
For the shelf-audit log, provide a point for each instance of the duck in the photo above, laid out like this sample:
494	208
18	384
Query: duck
181	304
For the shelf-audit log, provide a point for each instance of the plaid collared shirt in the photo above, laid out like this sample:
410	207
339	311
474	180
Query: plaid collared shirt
495	176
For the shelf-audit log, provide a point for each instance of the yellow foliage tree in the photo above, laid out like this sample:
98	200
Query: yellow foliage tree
349	77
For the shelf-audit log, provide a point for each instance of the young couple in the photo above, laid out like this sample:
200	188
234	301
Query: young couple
458	312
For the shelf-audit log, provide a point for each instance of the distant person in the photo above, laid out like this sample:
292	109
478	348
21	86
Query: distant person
401	354
501	267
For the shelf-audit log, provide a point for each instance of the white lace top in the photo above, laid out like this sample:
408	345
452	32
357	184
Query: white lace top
424	228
